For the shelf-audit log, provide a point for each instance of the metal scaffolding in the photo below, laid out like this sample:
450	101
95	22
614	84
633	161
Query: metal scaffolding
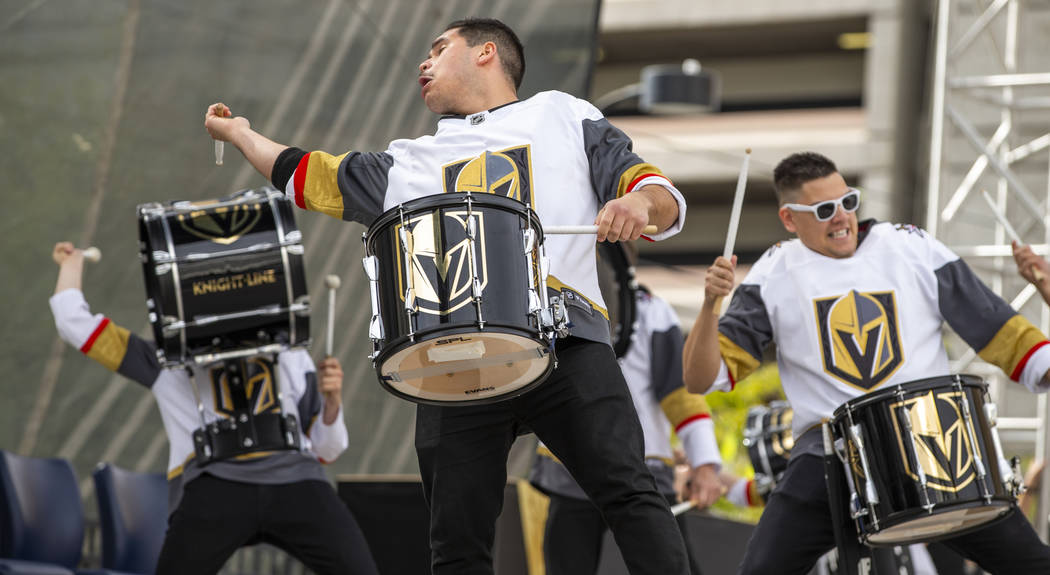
991	76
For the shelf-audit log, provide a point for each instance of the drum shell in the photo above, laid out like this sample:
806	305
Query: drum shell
769	439
259	266
890	458
500	257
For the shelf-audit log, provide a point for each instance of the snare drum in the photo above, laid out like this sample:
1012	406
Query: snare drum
768	439
224	278
922	460
460	311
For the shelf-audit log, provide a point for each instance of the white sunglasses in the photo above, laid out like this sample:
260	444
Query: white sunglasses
824	211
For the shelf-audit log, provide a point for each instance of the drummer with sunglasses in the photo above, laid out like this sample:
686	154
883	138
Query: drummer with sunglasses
888	289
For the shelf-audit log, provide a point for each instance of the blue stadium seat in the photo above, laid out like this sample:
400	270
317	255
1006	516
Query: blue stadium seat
41	518
133	514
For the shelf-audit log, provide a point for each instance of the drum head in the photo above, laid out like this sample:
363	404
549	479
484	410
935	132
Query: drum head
473	367
948	523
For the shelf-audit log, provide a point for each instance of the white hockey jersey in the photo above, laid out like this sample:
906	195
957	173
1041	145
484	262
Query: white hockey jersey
133	357
552	151
845	327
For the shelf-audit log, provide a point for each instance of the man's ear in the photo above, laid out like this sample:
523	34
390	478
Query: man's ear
787	218
488	52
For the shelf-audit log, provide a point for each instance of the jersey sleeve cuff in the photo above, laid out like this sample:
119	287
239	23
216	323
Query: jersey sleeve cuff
667	185
1035	370
699	442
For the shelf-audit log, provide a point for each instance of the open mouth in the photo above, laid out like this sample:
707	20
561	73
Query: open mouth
424	81
839	234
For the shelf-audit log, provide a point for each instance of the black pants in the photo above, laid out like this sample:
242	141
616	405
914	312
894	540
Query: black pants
573	537
307	519
585	415
795	530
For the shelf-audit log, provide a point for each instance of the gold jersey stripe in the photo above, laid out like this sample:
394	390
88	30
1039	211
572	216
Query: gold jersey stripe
321	187
555	283
1011	344
680	405
740	363
110	347
633	174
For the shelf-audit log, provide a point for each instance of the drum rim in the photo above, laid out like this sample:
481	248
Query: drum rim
393	346
1005	510
430	202
965	379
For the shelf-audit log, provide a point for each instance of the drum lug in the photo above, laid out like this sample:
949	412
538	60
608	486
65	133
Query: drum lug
857	435
375	325
475	283
1010	471
978	461
408	252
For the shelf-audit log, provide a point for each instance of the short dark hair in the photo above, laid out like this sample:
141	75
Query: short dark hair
797	169
511	53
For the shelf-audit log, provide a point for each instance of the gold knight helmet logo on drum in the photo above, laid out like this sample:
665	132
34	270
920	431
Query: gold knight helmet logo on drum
941	440
435	270
223	225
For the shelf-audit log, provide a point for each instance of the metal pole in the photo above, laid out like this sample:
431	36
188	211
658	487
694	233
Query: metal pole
937	117
1042	441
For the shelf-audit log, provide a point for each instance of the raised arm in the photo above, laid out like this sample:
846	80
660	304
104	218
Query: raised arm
94	334
259	150
70	266
701	357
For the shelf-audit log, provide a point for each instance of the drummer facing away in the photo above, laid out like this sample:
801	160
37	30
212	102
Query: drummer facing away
574	168
890	285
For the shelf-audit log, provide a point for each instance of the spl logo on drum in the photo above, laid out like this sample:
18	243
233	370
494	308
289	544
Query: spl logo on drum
441	277
941	439
859	337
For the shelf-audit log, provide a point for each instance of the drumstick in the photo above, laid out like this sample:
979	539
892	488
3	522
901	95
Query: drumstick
555	230
219	146
92	254
738	204
680	508
734	215
332	281
1036	274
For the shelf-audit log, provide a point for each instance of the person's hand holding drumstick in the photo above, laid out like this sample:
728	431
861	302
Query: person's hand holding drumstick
1033	268
70	262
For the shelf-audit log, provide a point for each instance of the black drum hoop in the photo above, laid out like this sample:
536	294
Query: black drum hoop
627	307
428	204
918	385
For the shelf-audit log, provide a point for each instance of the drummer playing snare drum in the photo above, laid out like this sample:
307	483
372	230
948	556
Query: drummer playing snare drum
859	307
559	156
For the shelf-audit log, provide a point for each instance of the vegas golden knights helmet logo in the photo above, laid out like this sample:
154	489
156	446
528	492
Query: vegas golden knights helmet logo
859	337
504	173
255	394
941	439
442	277
223	225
